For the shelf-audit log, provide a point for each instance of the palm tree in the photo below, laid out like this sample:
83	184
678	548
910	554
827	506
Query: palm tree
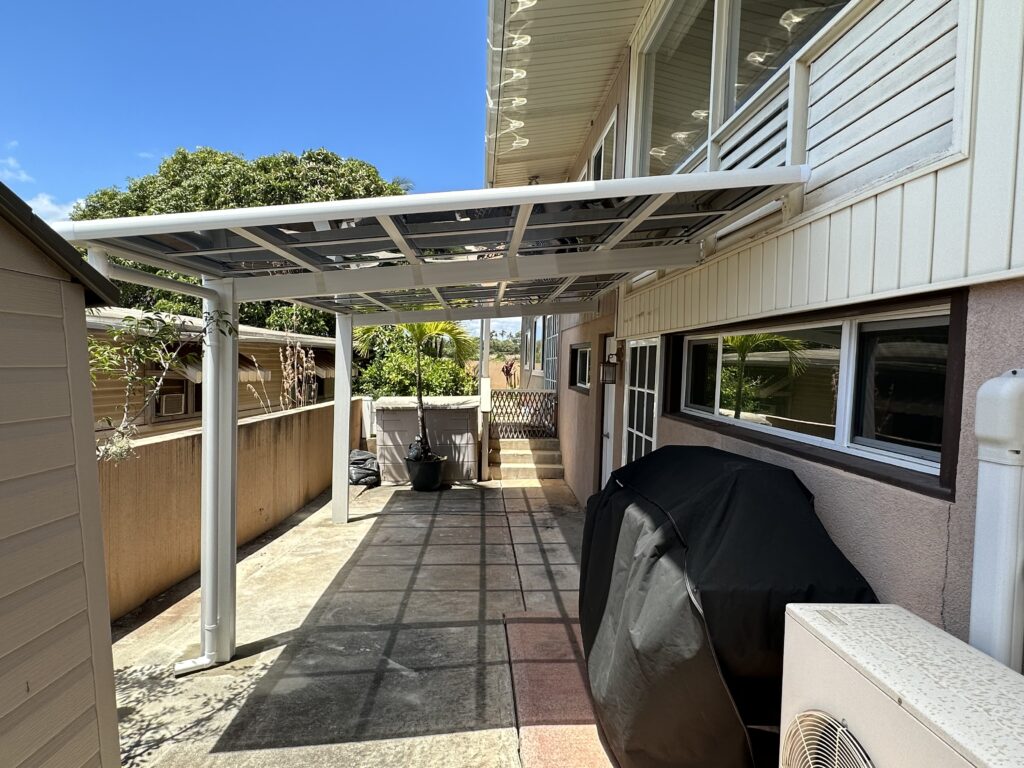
436	338
766	342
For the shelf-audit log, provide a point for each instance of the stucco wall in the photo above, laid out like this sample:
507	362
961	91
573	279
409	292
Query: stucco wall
150	503
579	414
914	550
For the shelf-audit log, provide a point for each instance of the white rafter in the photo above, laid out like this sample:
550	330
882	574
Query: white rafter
473	313
283	250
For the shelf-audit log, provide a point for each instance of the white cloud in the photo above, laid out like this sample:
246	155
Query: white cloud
48	209
145	155
12	144
11	170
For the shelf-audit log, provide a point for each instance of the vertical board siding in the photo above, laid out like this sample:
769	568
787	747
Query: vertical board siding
904	237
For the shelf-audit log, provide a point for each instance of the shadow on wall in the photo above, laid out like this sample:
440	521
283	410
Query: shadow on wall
408	640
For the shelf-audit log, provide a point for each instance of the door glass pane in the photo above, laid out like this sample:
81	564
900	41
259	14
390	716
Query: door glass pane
788	380
702	367
770	32
652	366
677	75
634	364
901	386
649	414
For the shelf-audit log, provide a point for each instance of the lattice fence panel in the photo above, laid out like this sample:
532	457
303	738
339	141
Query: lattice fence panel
519	413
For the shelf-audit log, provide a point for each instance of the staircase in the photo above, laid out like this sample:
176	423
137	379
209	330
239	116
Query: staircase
525	459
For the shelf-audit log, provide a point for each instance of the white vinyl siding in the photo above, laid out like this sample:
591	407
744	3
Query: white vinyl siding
56	682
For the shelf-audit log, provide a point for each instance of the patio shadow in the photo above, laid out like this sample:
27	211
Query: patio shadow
408	638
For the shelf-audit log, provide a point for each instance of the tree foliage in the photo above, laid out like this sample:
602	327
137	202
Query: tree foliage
206	179
386	362
742	346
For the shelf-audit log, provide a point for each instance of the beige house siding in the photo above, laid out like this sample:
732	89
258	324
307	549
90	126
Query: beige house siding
56	674
108	392
150	502
580	414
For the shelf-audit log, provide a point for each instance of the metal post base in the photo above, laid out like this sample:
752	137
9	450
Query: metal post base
197	664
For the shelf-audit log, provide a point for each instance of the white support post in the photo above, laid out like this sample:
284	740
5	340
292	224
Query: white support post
99	260
342	416
218	553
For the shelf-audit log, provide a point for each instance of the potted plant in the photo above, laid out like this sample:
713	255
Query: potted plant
426	468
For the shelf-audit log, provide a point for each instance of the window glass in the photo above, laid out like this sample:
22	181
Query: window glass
901	385
788	380
581	366
603	160
701	372
677	74
769	33
538	342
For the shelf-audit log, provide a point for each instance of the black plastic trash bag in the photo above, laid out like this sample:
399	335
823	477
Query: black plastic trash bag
690	556
363	469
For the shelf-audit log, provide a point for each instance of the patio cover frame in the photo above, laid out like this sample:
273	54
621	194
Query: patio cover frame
479	254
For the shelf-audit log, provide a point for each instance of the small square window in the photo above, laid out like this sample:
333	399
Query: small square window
579	367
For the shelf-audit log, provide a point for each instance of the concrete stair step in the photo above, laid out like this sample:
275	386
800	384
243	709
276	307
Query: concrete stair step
527	472
537	443
524	456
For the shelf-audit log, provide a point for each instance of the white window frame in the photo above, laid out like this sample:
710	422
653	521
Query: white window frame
190	404
610	126
626	429
582	368
843	442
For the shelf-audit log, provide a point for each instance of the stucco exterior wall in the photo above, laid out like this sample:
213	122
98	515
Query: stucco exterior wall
579	413
914	550
150	503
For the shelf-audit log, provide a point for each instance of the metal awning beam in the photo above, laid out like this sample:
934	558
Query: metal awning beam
439	275
266	240
472	313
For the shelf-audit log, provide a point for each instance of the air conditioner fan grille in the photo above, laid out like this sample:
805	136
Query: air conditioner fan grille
818	740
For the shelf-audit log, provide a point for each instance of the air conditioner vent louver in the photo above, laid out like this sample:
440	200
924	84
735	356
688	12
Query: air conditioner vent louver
818	740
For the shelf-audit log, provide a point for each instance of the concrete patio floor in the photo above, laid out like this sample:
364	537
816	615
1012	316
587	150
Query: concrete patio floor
377	643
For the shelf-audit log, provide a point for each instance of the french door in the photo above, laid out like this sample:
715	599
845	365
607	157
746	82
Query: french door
641	398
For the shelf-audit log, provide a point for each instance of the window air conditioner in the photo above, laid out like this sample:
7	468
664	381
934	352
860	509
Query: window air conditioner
876	686
172	405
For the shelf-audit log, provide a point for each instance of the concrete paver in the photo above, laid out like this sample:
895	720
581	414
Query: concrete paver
377	643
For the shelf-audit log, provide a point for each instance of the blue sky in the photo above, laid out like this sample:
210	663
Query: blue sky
102	90
97	92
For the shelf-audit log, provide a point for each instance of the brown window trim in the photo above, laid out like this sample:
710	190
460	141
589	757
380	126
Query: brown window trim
942	486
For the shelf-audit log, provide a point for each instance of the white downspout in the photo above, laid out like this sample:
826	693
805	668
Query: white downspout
342	416
219	476
997	595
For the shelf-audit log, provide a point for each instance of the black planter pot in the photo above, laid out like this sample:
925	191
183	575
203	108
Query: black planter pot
425	475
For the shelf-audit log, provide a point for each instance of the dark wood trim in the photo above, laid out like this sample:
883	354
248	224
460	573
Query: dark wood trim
579	389
956	359
942	486
918	482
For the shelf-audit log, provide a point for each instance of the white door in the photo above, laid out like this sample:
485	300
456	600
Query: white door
641	402
607	419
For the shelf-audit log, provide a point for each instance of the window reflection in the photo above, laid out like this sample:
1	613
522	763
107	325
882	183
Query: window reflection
769	33
677	76
901	385
786	380
702	370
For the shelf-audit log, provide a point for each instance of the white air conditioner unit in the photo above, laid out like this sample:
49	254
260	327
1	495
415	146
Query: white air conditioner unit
874	685
172	405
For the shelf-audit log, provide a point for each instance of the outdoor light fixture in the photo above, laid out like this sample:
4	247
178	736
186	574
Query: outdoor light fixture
607	369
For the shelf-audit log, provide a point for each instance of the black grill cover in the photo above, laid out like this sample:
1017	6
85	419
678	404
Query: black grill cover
690	556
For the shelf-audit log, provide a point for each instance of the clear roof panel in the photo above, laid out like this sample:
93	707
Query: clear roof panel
563	243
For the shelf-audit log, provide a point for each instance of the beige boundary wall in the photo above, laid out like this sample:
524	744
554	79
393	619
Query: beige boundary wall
150	503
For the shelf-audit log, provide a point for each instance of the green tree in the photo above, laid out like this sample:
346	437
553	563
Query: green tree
428	343
206	179
743	346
